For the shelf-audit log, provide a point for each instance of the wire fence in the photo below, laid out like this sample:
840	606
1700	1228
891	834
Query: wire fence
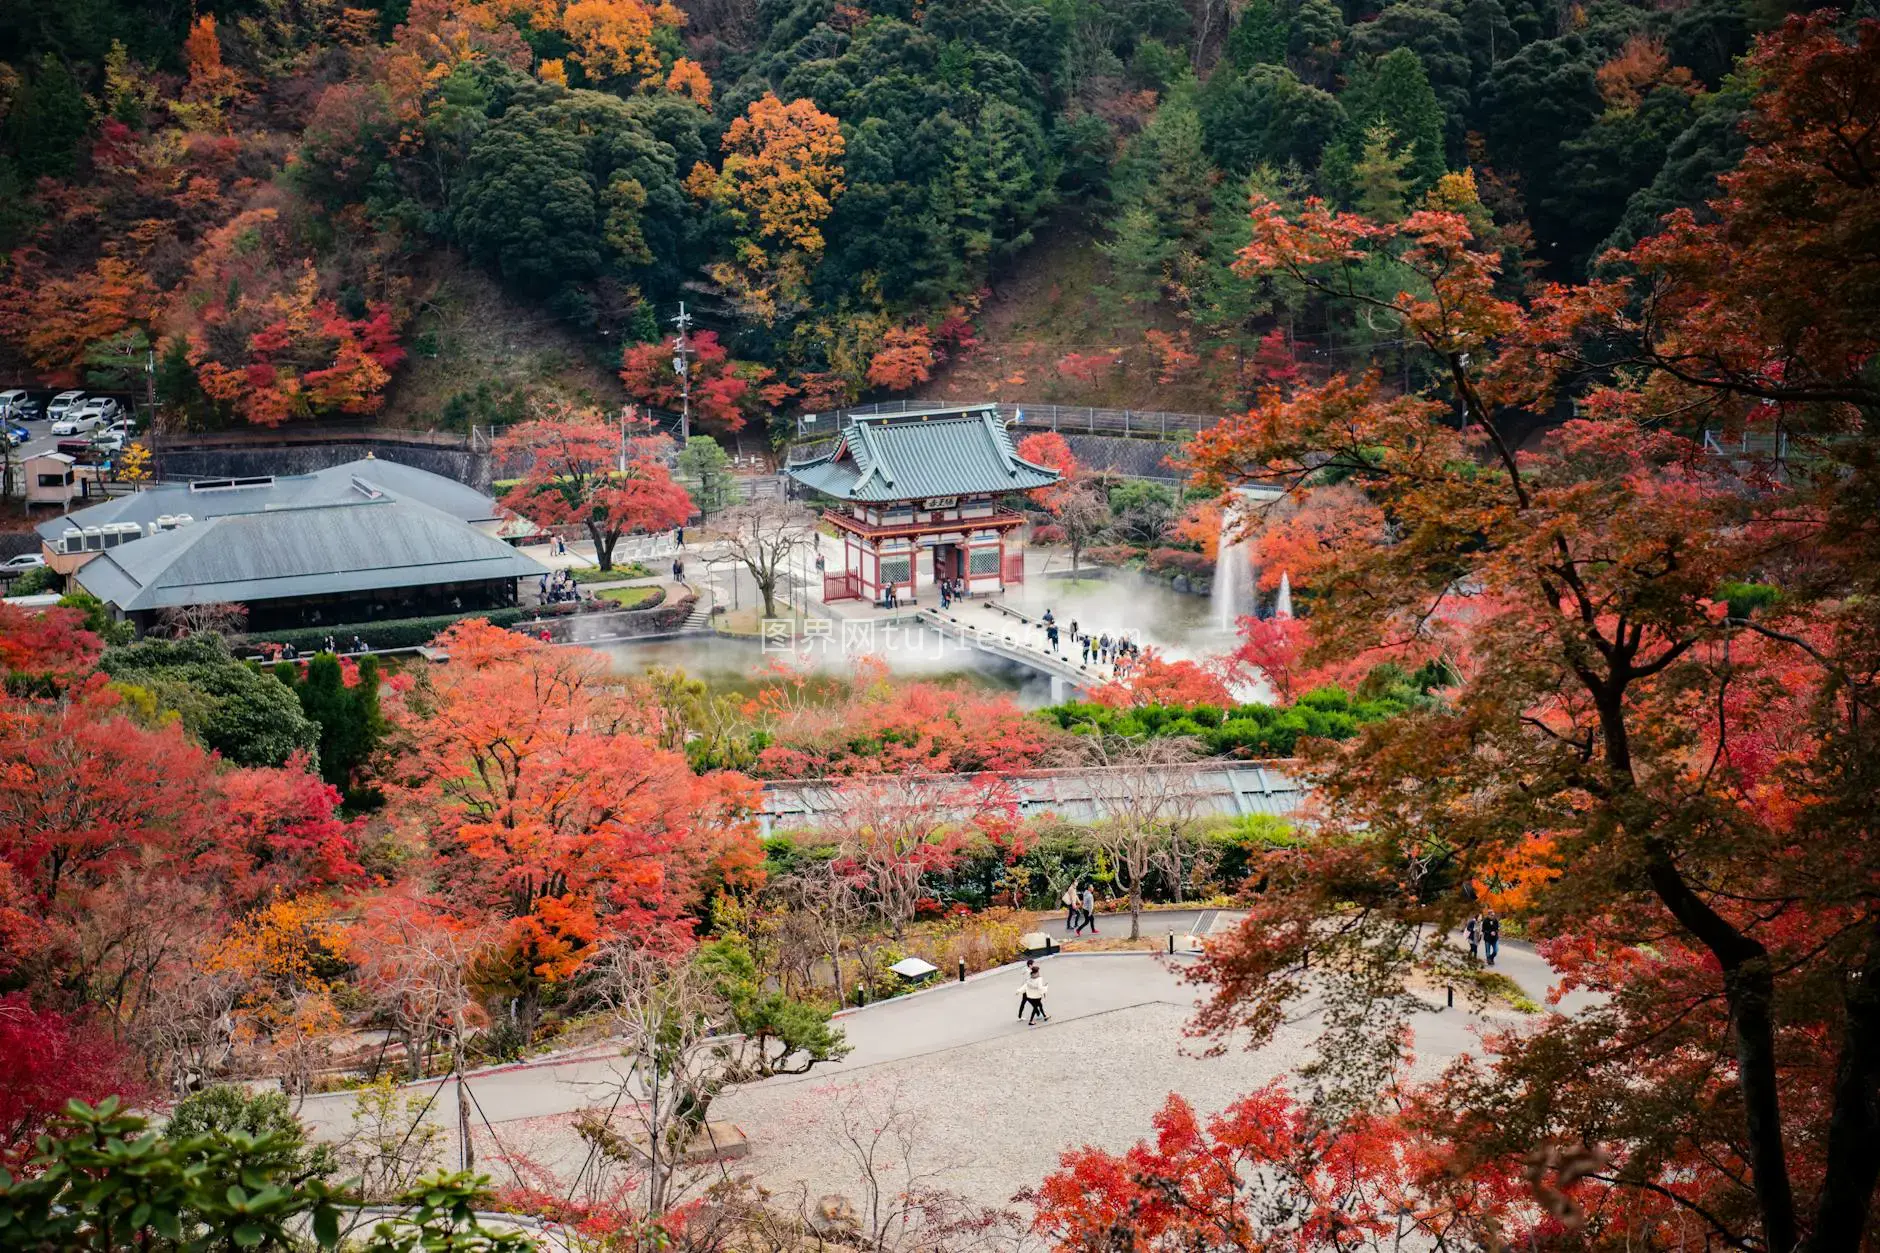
1076	419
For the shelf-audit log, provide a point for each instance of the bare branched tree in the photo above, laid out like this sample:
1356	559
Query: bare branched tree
220	618
899	1206
896	828
1145	792
763	537
692	1029
416	967
826	911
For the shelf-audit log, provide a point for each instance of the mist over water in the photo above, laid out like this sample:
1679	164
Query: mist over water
739	665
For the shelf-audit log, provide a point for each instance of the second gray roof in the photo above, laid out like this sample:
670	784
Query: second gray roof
913	458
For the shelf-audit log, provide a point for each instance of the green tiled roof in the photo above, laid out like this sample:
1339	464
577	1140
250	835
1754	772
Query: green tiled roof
902	457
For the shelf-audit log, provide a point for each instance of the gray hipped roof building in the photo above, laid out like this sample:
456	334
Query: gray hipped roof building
360	542
295	552
914	457
208	498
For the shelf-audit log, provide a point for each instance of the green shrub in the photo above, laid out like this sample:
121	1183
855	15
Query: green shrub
35	581
1240	847
245	715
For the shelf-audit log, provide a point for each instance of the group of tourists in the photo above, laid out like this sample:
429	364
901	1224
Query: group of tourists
328	645
950	591
1080	908
1484	932
559	587
1120	650
678	570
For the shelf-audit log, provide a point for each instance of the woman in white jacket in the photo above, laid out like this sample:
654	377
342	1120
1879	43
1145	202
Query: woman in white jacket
1032	993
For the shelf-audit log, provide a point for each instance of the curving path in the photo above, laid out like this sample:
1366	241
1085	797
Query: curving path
987	1102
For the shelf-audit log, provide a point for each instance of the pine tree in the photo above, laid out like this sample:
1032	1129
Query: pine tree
1379	176
1396	90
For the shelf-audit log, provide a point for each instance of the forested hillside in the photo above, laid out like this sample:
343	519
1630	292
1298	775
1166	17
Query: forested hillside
270	193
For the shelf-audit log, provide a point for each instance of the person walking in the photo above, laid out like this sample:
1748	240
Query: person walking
1090	910
1472	930
1491	937
1051	634
1033	992
1024	989
822	564
678	535
1072	906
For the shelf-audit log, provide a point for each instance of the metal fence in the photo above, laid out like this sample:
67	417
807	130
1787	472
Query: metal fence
1140	423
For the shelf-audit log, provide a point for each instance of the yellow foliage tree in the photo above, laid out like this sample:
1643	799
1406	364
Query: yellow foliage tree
781	175
614	38
688	78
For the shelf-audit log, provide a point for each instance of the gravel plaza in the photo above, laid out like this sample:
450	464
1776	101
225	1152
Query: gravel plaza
974	1101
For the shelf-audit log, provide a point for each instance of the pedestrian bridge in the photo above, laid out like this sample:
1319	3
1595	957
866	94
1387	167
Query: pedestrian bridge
1004	632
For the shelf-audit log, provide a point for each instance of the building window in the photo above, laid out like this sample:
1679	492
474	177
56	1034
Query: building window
982	561
53	480
896	569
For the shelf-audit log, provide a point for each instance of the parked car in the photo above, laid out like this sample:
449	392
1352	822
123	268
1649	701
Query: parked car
108	442
18	405
88	416
62	402
15	433
22	563
124	428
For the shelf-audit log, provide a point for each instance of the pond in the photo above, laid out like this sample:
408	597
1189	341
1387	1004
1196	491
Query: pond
728	664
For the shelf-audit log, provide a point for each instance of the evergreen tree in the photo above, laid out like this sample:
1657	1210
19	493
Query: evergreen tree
1259	37
1312	41
1380	176
348	717
706	471
1436	36
47	121
1396	91
1180	187
1266	116
1165	197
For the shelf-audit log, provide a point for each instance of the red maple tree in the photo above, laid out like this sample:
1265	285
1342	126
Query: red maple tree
1641	614
578	472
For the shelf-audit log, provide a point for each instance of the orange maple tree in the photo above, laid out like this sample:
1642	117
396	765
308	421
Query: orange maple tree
781	174
906	358
548	810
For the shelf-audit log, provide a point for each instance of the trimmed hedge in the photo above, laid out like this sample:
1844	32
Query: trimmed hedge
392	633
1243	731
413	632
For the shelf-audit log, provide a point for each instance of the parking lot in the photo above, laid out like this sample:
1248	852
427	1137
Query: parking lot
40	438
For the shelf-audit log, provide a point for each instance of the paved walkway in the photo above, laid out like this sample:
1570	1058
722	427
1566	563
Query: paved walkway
987	1102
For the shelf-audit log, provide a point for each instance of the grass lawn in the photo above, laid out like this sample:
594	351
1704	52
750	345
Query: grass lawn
631	597
621	570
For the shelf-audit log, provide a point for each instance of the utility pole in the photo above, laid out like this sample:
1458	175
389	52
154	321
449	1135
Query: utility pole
150	401
681	365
